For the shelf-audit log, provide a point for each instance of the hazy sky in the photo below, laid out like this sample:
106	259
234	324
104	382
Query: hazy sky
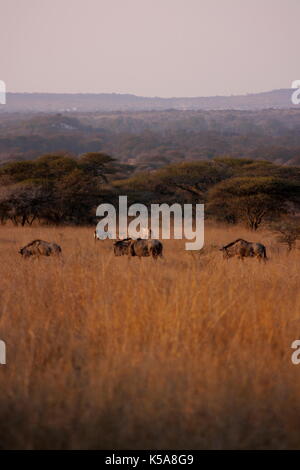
149	47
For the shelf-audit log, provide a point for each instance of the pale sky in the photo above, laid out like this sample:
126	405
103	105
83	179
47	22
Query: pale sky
149	47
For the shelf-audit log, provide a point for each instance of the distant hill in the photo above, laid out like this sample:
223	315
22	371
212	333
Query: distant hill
60	102
150	139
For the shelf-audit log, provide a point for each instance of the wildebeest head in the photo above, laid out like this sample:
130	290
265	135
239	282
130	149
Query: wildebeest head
121	247
226	252
25	252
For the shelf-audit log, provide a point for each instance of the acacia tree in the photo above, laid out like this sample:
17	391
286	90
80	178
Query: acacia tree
54	188
97	164
194	178
287	231
24	202
187	181
252	200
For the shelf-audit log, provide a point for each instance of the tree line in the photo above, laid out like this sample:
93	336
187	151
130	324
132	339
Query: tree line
65	189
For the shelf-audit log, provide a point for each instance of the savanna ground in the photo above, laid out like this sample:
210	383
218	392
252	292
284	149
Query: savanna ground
189	352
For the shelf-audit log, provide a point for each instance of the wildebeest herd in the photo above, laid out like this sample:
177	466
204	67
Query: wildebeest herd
145	247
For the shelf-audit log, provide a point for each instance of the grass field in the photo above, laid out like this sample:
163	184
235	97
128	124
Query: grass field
189	352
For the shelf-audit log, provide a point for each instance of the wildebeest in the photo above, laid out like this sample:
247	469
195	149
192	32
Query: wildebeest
121	247
243	249
40	248
141	247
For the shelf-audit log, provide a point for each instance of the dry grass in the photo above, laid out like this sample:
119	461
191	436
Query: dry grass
190	352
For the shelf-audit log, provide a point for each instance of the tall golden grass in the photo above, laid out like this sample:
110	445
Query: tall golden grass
189	352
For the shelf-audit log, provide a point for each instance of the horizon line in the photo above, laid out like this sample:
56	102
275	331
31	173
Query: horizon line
143	96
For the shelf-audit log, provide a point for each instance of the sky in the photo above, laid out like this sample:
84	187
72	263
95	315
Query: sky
161	48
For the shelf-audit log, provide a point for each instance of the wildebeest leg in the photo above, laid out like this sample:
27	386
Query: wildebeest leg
264	256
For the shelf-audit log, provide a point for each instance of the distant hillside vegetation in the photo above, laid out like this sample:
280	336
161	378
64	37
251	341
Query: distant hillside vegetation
147	140
88	102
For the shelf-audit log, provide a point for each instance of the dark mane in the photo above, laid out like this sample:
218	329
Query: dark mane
121	242
233	243
31	243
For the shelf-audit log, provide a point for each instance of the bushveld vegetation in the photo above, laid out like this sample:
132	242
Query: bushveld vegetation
63	189
188	352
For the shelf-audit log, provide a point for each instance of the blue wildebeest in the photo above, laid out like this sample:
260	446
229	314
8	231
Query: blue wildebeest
40	248
148	247
140	247
243	249
121	247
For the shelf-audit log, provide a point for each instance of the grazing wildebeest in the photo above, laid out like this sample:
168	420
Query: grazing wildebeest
40	248
243	249
121	247
141	247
